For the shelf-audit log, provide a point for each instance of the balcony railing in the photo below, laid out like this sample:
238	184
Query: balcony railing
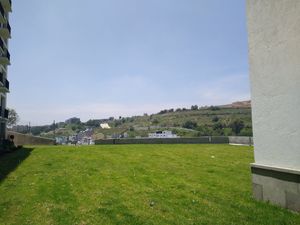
4	84
5	58
6	54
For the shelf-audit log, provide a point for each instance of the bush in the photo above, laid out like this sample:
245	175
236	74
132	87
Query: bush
205	130
215	119
190	125
246	132
155	121
227	131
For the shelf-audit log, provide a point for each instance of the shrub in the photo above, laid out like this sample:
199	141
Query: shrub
190	125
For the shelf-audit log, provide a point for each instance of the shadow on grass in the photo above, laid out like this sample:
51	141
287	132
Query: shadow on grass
10	161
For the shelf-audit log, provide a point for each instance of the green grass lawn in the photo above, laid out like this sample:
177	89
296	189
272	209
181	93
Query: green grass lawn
133	184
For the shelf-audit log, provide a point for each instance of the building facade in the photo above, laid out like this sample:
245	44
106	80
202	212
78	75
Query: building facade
274	56
162	134
5	35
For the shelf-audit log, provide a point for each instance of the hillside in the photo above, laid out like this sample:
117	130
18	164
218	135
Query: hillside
231	119
188	123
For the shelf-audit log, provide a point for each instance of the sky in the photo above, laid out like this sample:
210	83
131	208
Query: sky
99	58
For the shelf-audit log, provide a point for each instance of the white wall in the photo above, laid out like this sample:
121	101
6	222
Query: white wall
274	51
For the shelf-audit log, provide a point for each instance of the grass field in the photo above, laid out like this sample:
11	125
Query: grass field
133	184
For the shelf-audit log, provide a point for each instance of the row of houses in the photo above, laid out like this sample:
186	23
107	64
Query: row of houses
82	138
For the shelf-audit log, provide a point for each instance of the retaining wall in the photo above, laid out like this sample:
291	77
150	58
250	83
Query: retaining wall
241	140
23	139
200	140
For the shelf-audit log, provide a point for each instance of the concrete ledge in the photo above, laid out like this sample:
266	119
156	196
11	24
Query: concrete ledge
276	185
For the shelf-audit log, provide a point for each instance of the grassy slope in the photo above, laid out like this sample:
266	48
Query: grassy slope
168	120
201	116
133	184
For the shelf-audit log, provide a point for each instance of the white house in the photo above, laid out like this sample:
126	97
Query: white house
104	126
162	134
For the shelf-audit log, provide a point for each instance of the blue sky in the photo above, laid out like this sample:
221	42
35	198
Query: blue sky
96	58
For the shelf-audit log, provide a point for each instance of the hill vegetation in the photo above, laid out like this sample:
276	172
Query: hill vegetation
233	119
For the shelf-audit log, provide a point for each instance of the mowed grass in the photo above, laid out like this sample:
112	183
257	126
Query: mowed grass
133	184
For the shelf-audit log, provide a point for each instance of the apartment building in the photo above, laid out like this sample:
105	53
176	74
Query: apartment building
5	35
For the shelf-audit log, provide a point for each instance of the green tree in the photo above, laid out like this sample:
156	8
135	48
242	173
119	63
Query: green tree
215	119
13	118
237	125
190	125
247	131
155	121
194	107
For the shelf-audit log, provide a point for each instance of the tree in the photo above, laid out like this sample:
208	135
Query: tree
190	125
215	119
218	126
237	125
194	107
155	121
13	118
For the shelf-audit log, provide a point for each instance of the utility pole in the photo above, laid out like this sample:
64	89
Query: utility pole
54	128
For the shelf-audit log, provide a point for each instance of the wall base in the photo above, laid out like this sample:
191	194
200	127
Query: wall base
276	185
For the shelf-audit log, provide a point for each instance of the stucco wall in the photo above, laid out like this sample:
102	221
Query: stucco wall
274	54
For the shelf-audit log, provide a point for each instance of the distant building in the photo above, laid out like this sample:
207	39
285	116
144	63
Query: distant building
162	134
104	126
61	140
73	120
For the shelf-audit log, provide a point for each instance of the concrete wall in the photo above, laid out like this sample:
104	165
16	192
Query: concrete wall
274	54
200	140
22	139
241	140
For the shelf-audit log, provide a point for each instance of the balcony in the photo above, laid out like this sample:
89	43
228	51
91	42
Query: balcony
4	85
6	112
2	45
3	114
5	31
2	15
6	5
5	58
